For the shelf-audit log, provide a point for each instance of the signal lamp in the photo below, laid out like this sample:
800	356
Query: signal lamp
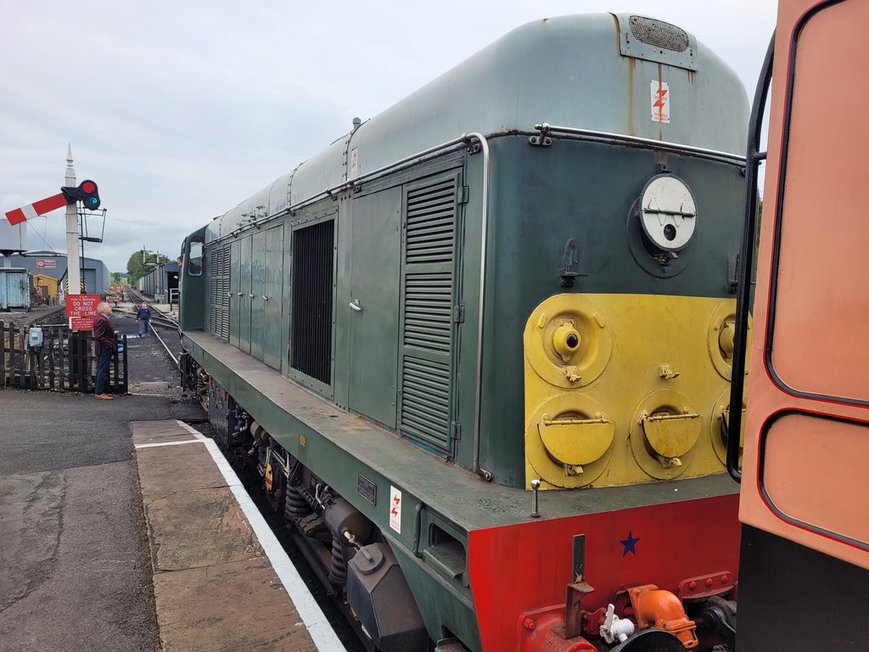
90	194
86	192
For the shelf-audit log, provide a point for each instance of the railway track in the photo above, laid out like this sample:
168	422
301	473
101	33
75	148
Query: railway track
159	322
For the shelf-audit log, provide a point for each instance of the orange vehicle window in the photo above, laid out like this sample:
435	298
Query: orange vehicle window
812	473
821	282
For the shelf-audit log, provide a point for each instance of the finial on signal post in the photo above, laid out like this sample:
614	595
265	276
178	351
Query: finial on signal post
69	178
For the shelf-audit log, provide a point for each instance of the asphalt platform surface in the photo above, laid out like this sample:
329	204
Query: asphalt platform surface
74	565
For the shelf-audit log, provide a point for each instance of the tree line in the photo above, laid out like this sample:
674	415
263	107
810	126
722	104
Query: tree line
142	262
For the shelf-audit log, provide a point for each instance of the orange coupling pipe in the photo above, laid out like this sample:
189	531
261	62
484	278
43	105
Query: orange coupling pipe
654	607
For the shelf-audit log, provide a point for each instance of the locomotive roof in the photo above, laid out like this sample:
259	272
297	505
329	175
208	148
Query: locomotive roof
569	71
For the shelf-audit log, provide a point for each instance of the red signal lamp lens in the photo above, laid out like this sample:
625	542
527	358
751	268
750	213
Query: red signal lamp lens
88	186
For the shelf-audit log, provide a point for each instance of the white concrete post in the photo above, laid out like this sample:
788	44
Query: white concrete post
73	267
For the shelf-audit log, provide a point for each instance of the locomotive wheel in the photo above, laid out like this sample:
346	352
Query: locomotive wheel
651	640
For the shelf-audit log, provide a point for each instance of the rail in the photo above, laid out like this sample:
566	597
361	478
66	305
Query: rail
167	322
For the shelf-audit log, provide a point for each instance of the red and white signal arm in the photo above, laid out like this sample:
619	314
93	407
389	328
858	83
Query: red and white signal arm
86	192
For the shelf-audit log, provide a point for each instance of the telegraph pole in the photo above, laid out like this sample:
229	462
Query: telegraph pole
73	266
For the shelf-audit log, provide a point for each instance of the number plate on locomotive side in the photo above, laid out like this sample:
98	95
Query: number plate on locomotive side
366	488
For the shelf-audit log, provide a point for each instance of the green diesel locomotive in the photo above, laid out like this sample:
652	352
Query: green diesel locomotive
480	347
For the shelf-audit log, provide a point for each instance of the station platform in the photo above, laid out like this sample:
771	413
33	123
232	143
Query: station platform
124	528
221	579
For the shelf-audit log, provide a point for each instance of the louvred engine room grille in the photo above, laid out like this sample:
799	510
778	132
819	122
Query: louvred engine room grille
219	265
426	362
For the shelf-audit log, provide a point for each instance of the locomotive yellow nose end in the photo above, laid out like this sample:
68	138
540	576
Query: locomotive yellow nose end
625	389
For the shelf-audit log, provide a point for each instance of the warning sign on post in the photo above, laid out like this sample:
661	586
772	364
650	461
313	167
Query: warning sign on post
81	323
82	310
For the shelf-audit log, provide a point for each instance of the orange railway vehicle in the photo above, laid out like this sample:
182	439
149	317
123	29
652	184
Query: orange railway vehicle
804	500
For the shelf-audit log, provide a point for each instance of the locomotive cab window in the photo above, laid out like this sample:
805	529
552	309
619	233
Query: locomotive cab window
194	258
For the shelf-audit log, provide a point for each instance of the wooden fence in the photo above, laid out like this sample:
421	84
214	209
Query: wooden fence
64	362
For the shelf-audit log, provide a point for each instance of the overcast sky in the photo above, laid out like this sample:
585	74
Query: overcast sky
179	110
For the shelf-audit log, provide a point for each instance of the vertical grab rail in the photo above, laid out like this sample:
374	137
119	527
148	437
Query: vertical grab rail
746	262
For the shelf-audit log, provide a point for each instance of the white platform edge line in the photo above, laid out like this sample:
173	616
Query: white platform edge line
318	626
193	431
159	444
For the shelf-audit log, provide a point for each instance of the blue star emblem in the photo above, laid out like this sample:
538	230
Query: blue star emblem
630	543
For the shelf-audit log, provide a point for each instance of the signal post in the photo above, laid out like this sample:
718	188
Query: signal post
73	264
87	193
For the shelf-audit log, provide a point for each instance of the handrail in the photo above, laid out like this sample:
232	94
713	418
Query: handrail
481	313
589	134
746	263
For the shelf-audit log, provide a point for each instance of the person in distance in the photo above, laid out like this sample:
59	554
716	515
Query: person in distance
143	316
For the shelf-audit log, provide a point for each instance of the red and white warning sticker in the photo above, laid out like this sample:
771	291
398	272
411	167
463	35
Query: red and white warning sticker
395	509
660	101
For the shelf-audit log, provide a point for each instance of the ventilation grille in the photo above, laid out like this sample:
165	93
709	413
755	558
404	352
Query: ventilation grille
311	340
659	34
428	300
431	223
219	264
425	400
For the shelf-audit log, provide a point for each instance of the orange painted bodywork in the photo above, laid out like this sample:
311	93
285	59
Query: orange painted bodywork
806	456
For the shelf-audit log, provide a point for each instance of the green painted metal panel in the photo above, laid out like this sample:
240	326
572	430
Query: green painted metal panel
427	312
243	294
342	316
374	290
272	295
258	290
439	608
234	291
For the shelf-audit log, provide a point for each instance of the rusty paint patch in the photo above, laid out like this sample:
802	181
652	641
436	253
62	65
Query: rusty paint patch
632	68
618	32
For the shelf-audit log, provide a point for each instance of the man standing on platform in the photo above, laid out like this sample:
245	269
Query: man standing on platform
104	346
143	316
